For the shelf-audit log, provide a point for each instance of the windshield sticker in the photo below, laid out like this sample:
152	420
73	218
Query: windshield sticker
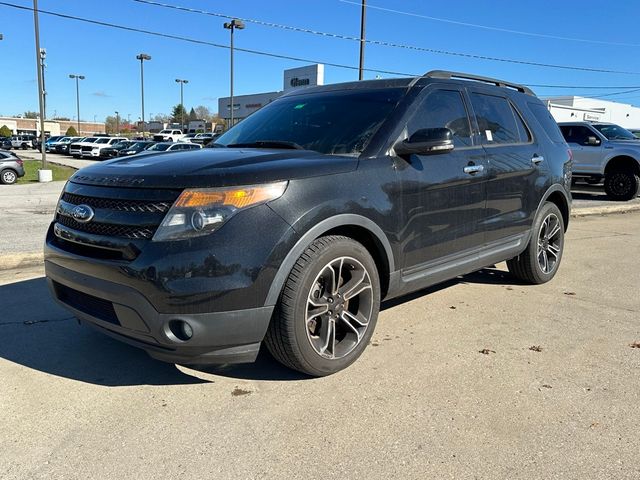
299	106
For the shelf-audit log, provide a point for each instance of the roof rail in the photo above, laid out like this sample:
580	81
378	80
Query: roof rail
465	76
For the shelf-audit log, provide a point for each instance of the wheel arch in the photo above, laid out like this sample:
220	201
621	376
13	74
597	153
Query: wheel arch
357	227
621	162
557	195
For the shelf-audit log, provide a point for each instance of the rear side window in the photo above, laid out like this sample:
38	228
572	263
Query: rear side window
497	120
443	108
546	120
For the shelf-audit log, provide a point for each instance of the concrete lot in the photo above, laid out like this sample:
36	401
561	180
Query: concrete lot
556	396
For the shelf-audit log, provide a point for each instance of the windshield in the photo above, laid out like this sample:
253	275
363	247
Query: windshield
122	145
90	139
615	132
335	123
160	147
165	131
102	140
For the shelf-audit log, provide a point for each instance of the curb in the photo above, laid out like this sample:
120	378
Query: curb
14	261
607	210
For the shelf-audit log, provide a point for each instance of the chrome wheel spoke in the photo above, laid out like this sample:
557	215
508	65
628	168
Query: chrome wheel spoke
328	335
355	286
554	230
554	250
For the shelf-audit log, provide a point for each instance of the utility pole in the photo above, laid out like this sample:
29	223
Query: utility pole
117	123
182	82
36	26
232	25
77	78
142	57
363	21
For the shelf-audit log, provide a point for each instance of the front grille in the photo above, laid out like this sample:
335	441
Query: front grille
86	148
94	306
109	230
120	205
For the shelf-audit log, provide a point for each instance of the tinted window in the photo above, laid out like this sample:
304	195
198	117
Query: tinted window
577	133
614	132
333	122
496	119
546	121
444	108
523	131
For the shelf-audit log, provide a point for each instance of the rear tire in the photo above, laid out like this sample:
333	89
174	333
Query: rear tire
328	308
8	177
621	185
541	259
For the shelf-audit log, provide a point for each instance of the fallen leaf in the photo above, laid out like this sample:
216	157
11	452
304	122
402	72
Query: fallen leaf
535	348
570	294
237	392
452	307
635	345
544	385
486	351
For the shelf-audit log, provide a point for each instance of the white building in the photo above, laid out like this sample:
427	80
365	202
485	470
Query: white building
579	109
294	79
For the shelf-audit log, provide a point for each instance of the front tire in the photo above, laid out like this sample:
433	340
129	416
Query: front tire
328	308
621	185
541	259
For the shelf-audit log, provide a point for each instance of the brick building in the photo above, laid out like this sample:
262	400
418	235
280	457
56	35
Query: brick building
25	126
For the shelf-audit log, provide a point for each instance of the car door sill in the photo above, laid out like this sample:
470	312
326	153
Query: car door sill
451	266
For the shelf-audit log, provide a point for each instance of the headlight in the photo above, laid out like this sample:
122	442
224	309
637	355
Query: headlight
201	211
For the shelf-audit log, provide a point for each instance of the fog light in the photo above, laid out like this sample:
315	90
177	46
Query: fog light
181	329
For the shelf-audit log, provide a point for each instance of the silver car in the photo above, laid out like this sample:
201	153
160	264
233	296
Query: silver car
11	167
605	151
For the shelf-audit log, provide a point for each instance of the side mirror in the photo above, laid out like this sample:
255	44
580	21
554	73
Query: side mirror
427	141
593	141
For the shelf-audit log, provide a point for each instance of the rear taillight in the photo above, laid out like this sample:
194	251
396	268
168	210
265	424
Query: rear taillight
19	161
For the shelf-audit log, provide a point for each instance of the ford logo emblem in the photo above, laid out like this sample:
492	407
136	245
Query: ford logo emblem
82	213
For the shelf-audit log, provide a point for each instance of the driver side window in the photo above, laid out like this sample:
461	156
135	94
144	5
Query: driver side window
443	108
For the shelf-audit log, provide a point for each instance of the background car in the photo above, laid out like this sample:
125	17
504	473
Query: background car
62	145
205	138
11	167
113	150
188	137
5	143
22	141
135	148
170	147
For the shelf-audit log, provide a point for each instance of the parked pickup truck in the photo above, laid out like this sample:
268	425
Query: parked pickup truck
605	151
168	135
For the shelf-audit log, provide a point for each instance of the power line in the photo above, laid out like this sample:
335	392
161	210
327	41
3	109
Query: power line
388	44
202	42
497	29
267	54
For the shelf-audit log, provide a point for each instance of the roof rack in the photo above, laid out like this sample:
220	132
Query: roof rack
465	76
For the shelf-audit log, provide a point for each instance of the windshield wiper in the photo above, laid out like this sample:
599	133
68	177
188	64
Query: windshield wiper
267	144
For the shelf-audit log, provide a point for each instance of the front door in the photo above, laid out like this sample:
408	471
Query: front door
586	158
443	194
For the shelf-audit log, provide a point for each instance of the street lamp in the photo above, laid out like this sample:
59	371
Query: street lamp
232	25
363	20
117	123
182	82
142	57
77	78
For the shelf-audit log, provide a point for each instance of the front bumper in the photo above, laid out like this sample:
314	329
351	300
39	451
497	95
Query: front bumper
125	314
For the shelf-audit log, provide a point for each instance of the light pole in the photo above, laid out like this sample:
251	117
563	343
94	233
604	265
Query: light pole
363	20
77	79
182	82
142	57
43	56
117	123
232	25
36	27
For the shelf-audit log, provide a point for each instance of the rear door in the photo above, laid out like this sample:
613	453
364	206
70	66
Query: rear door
443	194
513	157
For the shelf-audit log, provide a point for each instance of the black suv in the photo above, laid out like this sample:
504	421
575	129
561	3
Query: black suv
310	212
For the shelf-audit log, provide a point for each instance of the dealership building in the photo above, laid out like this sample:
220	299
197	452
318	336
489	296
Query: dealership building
31	126
294	79
584	109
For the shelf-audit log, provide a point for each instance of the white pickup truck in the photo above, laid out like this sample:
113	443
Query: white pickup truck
168	135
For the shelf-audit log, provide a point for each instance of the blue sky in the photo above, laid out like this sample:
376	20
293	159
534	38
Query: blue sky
107	56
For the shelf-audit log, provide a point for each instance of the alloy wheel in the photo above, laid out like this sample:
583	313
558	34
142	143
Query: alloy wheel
339	308
549	243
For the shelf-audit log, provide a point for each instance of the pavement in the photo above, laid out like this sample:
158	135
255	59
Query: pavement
481	377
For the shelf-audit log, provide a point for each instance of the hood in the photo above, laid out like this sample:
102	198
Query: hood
212	167
625	143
